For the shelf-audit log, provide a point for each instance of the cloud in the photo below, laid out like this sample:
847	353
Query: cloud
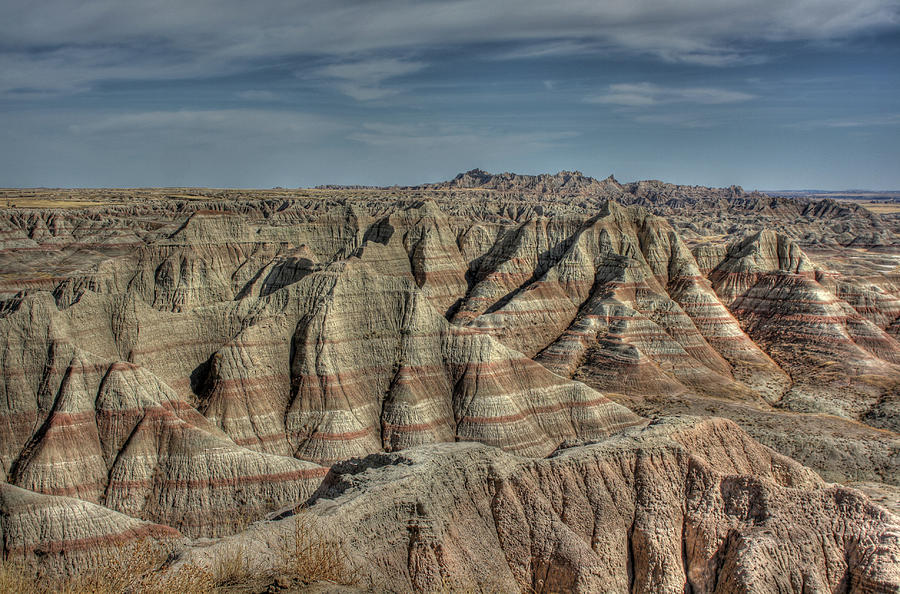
426	136
256	95
648	94
76	69
549	49
363	80
190	147
210	125
857	122
678	120
70	45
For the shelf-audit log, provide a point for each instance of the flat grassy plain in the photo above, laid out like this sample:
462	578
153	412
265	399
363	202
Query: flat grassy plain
879	207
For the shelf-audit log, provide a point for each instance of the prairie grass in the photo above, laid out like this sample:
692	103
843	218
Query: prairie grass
137	567
232	568
307	557
15	578
879	207
302	557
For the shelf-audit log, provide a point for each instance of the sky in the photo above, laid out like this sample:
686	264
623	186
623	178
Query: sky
769	94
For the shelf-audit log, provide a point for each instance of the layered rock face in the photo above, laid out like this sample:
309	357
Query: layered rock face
683	504
110	432
202	384
66	531
199	364
841	361
688	208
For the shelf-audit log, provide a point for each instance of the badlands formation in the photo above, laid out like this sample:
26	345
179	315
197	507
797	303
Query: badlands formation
498	383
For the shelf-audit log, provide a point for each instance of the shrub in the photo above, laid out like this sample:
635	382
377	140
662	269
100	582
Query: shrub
307	557
232	567
14	578
141	567
137	567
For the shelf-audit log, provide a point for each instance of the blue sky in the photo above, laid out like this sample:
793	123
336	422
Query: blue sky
771	94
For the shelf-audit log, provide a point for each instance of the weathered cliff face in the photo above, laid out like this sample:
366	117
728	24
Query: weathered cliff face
201	385
199	364
689	208
64	531
111	432
681	504
840	359
745	261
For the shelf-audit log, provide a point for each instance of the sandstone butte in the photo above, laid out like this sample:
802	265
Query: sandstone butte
497	383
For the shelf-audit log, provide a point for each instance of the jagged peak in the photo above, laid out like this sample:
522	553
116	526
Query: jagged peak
563	182
769	251
430	208
473	173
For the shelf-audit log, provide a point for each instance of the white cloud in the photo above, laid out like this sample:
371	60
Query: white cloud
256	95
647	94
364	80
74	69
99	40
851	122
888	120
443	136
678	120
218	147
208	125
548	49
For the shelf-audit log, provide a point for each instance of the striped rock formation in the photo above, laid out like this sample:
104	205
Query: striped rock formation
206	408
689	208
202	363
65	531
623	284
681	505
841	361
875	300
747	260
374	366
111	432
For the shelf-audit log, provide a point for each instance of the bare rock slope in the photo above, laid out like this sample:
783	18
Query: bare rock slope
192	365
683	504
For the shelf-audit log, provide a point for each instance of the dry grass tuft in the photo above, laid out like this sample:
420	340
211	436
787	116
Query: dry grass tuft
232	568
304	557
140	567
308	557
15	578
130	568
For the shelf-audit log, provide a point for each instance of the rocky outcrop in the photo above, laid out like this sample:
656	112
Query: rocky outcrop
737	212
63	532
111	432
619	294
203	432
200	363
874	299
376	367
761	253
680	505
840	361
564	183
